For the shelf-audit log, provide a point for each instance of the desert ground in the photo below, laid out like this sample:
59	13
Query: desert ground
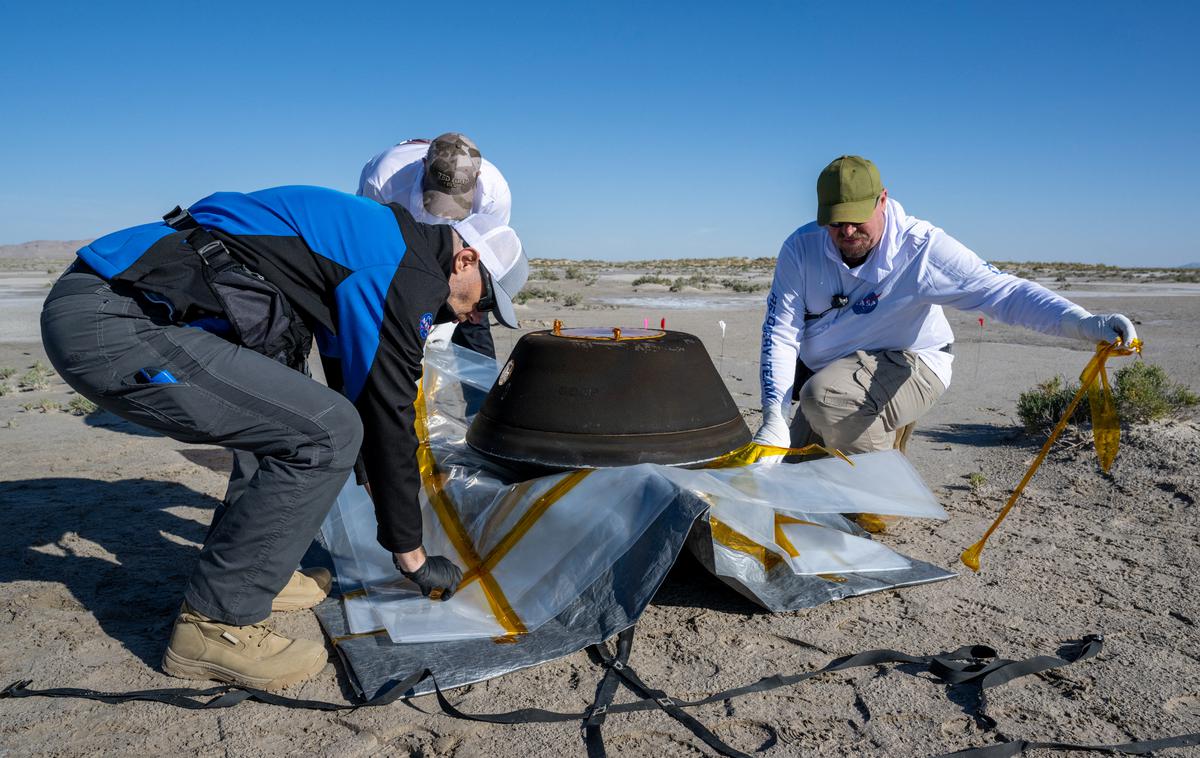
99	522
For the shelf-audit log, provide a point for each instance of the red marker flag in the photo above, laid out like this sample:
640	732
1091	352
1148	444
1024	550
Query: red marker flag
662	324
981	320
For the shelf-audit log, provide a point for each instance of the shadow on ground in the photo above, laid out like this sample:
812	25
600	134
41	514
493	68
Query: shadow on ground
973	435
104	420
690	585
215	459
134	581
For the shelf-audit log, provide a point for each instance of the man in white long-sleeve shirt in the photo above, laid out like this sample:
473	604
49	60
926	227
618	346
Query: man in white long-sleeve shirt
856	304
441	182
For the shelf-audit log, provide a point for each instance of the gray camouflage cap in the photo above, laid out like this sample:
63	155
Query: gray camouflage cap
451	170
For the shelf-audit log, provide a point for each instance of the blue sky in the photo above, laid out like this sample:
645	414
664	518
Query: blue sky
1029	131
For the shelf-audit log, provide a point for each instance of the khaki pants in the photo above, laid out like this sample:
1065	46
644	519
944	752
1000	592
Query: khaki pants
865	401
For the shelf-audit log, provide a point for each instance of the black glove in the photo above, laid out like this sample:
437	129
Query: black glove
436	573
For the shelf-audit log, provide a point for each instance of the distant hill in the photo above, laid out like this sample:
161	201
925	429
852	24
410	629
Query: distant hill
1190	265
42	249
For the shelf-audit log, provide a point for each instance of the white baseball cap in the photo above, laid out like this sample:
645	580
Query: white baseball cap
502	256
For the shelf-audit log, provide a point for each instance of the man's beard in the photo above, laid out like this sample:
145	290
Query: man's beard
860	246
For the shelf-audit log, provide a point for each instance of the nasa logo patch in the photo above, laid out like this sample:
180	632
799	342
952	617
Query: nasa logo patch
425	325
867	304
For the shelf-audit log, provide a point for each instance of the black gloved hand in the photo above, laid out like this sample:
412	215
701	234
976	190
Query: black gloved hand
436	573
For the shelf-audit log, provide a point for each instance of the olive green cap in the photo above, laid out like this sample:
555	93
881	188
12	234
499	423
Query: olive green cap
847	190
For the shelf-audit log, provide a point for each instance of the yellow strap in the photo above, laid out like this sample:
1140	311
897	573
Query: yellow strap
344	637
433	481
1106	426
752	452
1110	430
781	537
524	524
735	540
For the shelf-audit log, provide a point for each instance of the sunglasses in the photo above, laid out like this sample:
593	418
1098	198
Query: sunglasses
487	298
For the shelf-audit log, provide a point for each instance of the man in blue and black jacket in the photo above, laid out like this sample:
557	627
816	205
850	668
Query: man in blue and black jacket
198	327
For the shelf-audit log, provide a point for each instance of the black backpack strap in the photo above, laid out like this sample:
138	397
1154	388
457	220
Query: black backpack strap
210	249
180	219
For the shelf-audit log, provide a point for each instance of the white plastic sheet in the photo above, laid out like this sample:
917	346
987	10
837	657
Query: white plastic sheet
531	547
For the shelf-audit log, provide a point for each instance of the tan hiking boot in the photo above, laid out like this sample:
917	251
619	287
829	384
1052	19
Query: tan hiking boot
305	589
253	655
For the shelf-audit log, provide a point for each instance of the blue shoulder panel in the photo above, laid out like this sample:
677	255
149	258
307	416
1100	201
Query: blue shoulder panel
113	253
360	302
355	232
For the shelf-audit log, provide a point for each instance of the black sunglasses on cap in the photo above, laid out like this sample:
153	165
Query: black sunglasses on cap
487	298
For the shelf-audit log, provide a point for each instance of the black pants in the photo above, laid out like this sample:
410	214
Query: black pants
301	437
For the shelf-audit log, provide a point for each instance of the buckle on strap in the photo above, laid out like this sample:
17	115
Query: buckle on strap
212	248
664	701
179	219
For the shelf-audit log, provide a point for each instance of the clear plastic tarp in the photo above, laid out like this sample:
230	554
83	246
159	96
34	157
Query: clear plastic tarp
530	547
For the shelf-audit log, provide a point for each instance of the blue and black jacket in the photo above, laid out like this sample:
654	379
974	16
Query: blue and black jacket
367	280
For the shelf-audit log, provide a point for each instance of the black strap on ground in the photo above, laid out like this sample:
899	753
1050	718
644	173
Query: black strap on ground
974	665
606	690
220	696
617	669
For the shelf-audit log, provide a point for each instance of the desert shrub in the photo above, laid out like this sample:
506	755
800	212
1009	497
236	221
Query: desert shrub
738	285
7	372
976	479
5	388
699	281
571	299
544	274
648	279
45	405
1041	407
1141	392
536	293
574	272
37	377
80	406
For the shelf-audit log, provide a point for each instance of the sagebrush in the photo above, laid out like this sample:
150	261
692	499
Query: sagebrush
1142	392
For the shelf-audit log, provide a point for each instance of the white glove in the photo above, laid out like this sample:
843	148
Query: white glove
774	432
1104	328
439	336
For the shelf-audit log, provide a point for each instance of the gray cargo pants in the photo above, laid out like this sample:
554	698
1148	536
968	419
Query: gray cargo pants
858	403
302	436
